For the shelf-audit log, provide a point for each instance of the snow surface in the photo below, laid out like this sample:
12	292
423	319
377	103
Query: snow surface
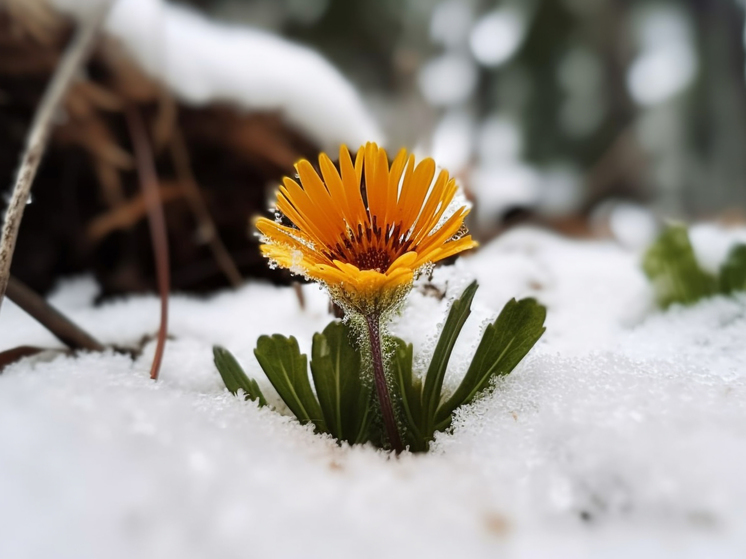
623	433
204	61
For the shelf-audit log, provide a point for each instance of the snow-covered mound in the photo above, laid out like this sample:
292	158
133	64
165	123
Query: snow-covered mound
623	433
203	61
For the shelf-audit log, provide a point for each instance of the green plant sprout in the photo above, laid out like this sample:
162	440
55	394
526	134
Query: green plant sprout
343	403
671	266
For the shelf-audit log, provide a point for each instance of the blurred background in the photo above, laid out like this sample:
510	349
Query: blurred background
555	106
595	118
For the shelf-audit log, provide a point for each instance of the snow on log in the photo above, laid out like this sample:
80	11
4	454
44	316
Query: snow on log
203	61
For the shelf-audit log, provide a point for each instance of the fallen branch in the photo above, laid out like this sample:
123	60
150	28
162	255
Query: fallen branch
72	61
157	222
58	324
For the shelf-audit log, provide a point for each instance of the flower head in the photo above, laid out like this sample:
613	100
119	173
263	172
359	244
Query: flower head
365	230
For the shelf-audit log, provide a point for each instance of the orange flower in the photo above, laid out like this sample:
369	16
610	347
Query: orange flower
365	230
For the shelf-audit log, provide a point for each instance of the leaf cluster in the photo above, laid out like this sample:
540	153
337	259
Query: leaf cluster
342	403
505	342
676	276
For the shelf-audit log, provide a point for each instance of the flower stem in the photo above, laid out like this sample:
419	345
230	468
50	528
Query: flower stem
382	389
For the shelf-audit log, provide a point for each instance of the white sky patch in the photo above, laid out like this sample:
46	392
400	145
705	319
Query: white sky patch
500	138
498	35
450	23
667	62
203	61
453	140
448	79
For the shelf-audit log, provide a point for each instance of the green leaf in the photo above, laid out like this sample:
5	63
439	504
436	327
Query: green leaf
504	343
431	393
671	266
234	376
409	391
287	370
733	271
345	399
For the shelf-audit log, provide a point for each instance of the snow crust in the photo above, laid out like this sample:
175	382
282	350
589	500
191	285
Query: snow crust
712	243
623	433
204	61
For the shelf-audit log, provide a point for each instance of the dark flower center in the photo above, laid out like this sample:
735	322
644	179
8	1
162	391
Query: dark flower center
373	259
355	246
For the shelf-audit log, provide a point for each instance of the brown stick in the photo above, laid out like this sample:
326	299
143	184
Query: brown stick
206	225
72	61
382	388
64	329
157	222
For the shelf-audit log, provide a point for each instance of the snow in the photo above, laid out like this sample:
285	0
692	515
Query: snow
622	434
712	243
503	185
203	61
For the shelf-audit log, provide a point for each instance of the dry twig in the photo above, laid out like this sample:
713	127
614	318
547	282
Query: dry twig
157	222
72	61
62	327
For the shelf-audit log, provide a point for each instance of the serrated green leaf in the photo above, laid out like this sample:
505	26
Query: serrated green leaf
409	392
733	271
672	267
504	343
431	392
286	368
343	396
234	376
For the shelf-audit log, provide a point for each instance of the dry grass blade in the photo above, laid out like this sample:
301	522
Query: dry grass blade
72	61
158	233
130	212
